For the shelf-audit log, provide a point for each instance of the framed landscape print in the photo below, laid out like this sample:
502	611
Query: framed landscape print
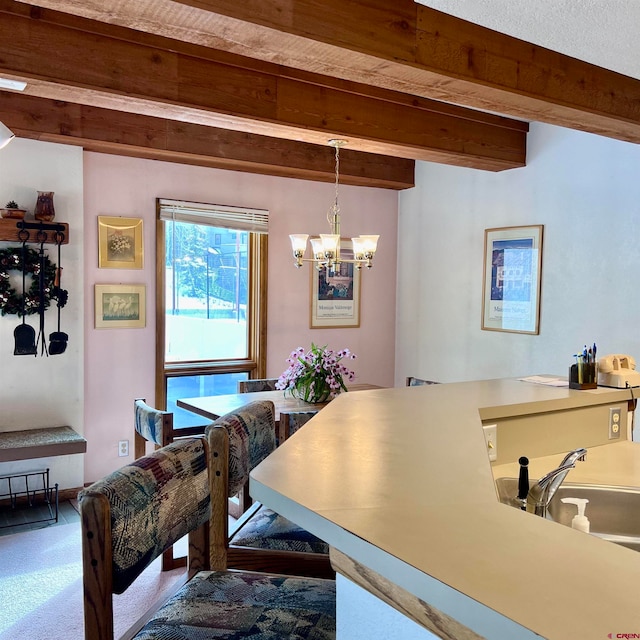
335	297
120	306
511	288
119	243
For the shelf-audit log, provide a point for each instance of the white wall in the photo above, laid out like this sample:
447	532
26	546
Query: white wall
41	391
585	190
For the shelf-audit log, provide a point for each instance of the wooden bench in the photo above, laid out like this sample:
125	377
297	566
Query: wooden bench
40	443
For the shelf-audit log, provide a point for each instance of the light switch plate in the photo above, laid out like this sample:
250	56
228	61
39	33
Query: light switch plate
491	439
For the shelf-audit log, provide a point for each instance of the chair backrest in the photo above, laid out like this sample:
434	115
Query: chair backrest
418	382
291	421
252	437
134	514
151	425
257	384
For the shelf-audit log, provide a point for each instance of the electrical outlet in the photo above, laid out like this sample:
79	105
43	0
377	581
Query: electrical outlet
615	422
491	440
123	448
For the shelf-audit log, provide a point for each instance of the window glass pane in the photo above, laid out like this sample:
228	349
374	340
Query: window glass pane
206	293
195	386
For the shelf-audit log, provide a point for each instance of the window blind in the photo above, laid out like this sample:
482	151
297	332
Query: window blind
214	215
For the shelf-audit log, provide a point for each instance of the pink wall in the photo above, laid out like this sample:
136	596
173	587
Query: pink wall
120	363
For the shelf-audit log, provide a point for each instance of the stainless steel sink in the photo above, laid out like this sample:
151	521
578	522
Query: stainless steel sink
614	512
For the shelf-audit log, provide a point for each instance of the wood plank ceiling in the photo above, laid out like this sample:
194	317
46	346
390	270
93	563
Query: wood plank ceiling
262	85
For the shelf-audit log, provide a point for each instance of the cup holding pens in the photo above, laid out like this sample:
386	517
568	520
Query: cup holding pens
583	374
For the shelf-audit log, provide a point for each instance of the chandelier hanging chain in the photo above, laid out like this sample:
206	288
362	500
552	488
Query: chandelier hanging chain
337	174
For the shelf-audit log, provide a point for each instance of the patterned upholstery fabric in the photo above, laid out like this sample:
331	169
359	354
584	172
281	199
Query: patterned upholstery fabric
234	606
154	502
269	530
148	422
297	418
261	384
418	382
252	437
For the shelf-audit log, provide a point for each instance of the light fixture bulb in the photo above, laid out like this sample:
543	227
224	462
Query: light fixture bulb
329	243
369	243
299	242
316	248
358	248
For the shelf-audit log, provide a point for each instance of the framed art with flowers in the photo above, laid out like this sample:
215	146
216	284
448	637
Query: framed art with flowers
120	306
119	243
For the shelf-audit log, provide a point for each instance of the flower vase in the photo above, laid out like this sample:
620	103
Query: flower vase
313	394
44	210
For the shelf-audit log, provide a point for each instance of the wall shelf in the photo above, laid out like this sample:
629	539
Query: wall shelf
9	231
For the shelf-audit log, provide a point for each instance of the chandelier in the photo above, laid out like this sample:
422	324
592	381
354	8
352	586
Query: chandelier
326	248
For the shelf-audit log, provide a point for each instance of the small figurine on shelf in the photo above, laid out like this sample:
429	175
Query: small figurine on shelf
12	210
44	207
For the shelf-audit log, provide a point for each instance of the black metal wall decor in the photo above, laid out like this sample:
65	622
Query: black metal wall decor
44	287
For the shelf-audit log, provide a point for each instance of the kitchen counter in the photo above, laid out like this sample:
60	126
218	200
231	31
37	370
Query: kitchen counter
399	481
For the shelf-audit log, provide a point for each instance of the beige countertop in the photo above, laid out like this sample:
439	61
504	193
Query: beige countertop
399	480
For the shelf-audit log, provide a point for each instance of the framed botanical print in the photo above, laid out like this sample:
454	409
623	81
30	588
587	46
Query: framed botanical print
119	243
335	296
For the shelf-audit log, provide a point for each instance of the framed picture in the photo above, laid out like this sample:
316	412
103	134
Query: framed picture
119	243
512	269
120	306
335	298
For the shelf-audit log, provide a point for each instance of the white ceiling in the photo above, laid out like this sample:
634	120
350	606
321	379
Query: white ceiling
602	32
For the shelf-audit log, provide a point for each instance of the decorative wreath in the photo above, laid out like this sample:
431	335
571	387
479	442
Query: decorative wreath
10	299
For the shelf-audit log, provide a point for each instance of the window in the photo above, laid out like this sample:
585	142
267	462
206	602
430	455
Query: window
211	265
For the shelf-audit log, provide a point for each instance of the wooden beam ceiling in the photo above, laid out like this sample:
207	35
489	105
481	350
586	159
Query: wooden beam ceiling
76	60
401	46
128	134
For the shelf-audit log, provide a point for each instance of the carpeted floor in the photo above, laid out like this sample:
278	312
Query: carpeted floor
41	586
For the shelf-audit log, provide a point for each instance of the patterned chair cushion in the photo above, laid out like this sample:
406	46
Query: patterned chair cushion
297	418
148	422
252	437
233	606
154	502
260	384
267	529
418	382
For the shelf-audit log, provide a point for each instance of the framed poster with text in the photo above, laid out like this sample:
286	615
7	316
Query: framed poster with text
511	288
335	298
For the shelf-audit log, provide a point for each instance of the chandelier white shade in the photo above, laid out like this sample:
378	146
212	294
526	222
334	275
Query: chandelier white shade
6	135
326	248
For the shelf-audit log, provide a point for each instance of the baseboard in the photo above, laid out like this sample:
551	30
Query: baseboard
68	494
63	496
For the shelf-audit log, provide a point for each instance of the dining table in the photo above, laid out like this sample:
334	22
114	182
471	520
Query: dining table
213	407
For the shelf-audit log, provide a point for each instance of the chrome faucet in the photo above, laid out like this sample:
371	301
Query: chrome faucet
542	492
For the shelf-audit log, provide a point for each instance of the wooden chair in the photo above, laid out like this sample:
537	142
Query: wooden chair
291	421
257	384
132	515
240	503
153	425
262	540
418	382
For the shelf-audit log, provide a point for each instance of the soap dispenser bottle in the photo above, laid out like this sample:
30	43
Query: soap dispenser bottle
580	521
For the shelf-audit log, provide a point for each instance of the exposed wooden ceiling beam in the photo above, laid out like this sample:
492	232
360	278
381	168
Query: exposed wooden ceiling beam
128	134
400	45
100	65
